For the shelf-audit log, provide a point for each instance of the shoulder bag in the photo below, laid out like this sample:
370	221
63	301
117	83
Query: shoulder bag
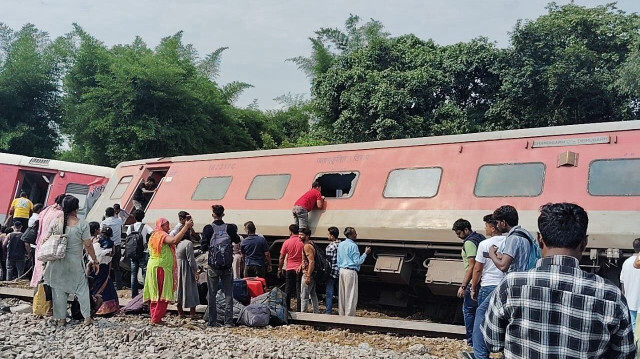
55	247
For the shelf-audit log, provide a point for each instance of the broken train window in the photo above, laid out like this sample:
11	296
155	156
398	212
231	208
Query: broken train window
337	184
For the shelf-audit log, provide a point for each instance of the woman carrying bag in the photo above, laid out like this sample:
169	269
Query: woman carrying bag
66	275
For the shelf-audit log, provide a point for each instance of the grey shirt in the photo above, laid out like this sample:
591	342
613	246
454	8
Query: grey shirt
517	247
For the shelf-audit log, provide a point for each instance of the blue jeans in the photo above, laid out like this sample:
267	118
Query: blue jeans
480	350
634	315
469	312
136	264
331	286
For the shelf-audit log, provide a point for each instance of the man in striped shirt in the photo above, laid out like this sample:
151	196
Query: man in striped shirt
557	310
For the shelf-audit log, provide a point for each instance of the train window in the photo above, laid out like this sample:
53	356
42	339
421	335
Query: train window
413	183
80	191
510	180
337	184
121	187
619	177
211	188
268	186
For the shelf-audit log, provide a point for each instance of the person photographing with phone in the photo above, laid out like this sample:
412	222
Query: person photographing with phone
161	279
486	276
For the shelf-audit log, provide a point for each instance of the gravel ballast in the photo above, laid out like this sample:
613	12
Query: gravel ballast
26	336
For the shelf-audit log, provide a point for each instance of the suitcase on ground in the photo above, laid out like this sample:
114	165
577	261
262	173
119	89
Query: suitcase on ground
241	291
256	286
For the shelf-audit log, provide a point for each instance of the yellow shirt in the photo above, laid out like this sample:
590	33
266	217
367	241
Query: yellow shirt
21	207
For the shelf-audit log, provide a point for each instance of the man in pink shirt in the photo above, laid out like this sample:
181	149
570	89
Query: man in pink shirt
305	204
292	250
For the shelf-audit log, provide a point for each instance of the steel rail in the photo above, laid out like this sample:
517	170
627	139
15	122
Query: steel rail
360	324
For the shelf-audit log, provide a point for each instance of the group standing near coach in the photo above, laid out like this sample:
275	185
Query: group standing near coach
534	300
524	296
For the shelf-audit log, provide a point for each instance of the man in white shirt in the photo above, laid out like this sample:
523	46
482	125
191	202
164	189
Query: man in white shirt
182	219
486	277
115	224
37	208
139	263
630	281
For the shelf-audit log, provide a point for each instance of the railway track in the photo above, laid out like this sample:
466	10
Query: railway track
323	321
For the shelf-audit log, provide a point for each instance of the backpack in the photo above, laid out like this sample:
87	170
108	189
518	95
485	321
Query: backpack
535	252
322	269
134	243
220	248
255	315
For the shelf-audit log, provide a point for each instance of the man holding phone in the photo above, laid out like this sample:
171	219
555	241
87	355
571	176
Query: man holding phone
486	276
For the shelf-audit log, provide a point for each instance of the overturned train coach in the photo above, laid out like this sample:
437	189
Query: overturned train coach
43	180
403	196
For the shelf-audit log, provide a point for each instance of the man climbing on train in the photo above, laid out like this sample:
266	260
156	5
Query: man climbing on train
470	239
305	204
143	193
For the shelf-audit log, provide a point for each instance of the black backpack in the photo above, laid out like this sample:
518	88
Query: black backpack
134	244
220	248
322	268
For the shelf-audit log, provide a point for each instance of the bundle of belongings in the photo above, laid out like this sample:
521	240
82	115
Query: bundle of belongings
266	309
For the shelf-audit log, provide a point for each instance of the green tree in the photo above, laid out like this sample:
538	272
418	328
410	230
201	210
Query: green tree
283	127
629	81
562	67
131	102
329	43
30	69
407	87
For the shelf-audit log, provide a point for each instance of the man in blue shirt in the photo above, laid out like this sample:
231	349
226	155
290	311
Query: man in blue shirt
349	261
256	254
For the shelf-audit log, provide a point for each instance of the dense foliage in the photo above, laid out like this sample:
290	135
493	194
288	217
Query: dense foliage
29	92
573	65
79	100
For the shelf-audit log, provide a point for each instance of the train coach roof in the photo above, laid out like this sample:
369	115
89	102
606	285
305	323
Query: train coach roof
34	162
420	141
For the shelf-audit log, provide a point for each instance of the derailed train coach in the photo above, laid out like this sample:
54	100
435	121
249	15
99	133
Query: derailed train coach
44	179
403	196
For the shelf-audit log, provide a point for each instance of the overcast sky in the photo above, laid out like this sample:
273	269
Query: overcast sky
261	34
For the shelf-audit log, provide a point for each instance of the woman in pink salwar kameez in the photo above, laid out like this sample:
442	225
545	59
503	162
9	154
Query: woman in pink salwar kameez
45	219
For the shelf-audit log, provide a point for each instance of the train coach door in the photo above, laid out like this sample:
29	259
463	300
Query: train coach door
37	185
158	174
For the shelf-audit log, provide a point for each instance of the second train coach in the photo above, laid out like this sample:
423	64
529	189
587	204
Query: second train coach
403	196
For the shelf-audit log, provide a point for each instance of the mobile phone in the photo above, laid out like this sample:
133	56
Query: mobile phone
485	254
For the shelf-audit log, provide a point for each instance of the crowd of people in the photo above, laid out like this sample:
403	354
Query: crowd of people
526	296
529	298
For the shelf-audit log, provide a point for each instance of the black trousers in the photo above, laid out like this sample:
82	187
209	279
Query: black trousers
115	266
293	282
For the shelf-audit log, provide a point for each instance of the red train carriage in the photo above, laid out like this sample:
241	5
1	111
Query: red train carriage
43	180
404	195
